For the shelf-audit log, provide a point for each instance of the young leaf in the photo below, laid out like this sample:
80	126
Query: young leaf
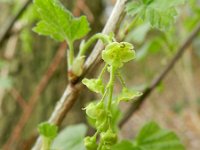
116	54
58	23
77	66
135	7
152	137
48	130
128	95
95	85
71	138
160	13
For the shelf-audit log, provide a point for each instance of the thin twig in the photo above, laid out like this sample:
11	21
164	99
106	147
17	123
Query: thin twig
70	95
134	107
34	98
8	26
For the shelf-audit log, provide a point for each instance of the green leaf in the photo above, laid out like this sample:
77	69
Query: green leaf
147	1
58	23
160	13
165	4
116	54
48	130
152	137
95	85
124	145
71	138
128	95
135	7
79	28
161	19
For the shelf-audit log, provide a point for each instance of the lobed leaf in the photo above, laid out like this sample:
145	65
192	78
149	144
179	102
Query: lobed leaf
71	138
124	145
152	137
160	13
58	23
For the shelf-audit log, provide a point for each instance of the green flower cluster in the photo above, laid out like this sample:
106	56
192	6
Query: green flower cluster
100	113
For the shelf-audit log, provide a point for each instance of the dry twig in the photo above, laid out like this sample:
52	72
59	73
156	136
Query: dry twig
8	26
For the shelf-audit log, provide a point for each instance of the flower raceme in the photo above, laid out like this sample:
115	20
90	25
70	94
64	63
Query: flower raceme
100	113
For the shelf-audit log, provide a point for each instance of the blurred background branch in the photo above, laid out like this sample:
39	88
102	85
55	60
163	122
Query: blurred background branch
4	32
134	107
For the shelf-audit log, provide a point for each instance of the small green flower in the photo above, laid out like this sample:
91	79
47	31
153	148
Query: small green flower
102	125
95	85
128	95
106	147
116	54
109	137
90	143
95	111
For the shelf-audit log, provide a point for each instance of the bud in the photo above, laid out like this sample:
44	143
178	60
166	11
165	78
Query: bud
90	143
106	147
109	137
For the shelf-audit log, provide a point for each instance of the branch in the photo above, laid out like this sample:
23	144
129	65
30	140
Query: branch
70	95
134	107
8	26
14	137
